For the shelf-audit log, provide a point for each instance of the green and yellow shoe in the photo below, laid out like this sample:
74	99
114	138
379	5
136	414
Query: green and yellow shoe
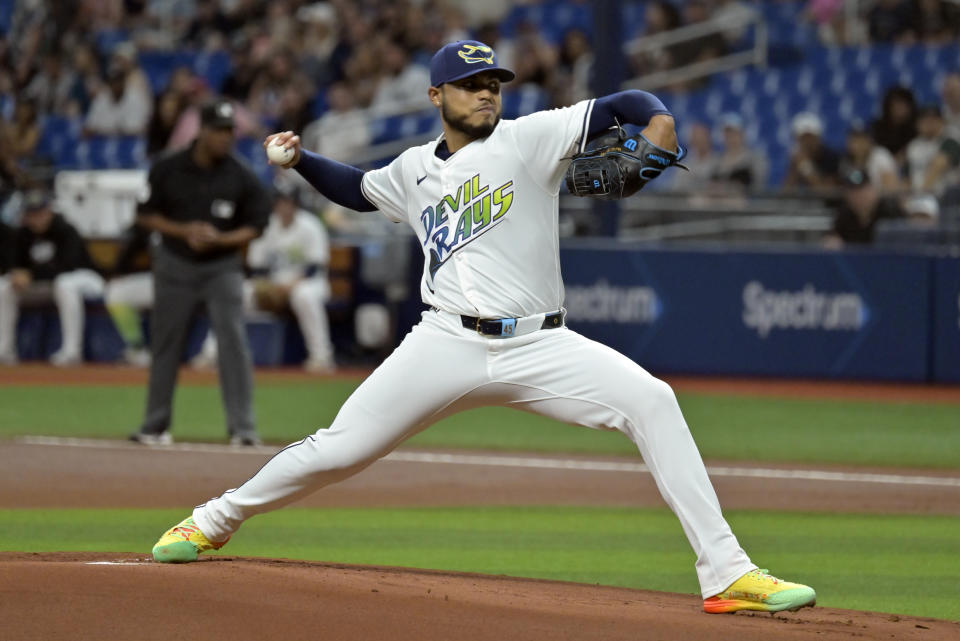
757	590
183	543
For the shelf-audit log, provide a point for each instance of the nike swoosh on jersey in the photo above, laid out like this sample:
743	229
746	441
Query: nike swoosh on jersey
420	180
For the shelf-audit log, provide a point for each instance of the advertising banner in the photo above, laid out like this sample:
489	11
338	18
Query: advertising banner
804	314
946	323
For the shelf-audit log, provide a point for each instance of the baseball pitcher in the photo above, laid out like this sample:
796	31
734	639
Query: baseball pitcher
482	199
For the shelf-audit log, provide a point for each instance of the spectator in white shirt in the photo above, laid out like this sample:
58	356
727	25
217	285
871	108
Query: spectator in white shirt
951	102
876	162
933	157
342	131
401	90
118	108
738	167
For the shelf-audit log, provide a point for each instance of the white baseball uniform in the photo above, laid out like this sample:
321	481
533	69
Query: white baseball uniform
70	290
286	252
487	220
132	290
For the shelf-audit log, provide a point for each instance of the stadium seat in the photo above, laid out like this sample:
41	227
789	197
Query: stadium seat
524	100
131	152
108	39
251	150
6	15
214	66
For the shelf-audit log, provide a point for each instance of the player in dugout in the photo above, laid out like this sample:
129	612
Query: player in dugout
482	199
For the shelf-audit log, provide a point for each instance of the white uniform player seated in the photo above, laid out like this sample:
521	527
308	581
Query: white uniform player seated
289	265
51	262
483	201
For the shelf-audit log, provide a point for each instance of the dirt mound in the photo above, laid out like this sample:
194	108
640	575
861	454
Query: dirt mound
106	596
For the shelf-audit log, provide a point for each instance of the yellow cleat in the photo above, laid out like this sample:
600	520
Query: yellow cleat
183	543
757	590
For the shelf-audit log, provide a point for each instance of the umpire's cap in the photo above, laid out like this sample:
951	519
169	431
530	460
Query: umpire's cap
218	114
464	58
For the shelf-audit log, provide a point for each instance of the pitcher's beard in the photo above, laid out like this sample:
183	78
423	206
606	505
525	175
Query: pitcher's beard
461	124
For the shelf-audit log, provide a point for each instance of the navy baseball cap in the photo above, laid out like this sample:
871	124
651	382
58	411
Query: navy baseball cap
465	58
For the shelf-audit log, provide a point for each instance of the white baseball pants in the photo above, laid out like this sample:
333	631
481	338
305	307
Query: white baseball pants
133	290
69	291
308	302
8	321
441	368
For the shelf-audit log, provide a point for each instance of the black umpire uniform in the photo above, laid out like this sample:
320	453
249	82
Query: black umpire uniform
207	205
6	248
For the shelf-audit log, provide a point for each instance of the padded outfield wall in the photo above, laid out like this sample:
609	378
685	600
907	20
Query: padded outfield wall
845	315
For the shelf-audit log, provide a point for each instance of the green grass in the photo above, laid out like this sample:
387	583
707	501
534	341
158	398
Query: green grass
900	564
725	427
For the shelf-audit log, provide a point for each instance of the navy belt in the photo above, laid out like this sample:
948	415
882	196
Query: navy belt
507	326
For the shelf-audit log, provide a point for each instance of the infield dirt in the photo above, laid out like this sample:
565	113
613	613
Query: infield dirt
246	599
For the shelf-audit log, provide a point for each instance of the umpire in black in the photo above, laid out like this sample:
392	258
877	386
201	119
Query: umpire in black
207	205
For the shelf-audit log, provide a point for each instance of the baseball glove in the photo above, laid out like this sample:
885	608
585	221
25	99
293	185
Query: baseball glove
619	166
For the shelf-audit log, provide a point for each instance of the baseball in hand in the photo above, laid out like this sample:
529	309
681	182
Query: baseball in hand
278	154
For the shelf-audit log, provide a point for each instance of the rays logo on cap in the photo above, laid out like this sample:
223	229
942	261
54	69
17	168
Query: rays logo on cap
473	54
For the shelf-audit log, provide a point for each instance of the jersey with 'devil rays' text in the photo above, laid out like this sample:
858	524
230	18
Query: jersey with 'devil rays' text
486	217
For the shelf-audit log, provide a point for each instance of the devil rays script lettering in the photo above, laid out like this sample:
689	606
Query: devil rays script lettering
460	218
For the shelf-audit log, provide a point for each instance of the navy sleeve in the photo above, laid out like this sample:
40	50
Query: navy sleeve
633	107
337	181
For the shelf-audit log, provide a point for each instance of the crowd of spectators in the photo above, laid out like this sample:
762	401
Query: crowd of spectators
933	22
326	68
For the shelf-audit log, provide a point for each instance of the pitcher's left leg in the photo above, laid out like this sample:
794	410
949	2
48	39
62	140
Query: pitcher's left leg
570	378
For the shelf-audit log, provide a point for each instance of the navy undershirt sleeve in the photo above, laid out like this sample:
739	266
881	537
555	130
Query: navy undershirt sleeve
633	107
335	180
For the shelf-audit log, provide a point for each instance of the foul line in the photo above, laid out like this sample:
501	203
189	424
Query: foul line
530	462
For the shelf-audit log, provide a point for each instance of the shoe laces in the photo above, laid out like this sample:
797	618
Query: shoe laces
764	575
186	531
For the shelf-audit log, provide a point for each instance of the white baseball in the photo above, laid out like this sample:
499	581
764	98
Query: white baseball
278	154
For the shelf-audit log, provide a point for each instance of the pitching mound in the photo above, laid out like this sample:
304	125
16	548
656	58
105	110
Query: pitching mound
104	596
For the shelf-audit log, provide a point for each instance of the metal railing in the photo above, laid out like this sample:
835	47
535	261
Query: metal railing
756	56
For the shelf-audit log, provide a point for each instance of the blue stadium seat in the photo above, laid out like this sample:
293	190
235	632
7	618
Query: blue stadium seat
215	66
524	100
159	66
385	129
107	39
251	150
96	152
58	140
633	18
560	17
6	15
428	122
786	24
8	102
131	152
319	104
